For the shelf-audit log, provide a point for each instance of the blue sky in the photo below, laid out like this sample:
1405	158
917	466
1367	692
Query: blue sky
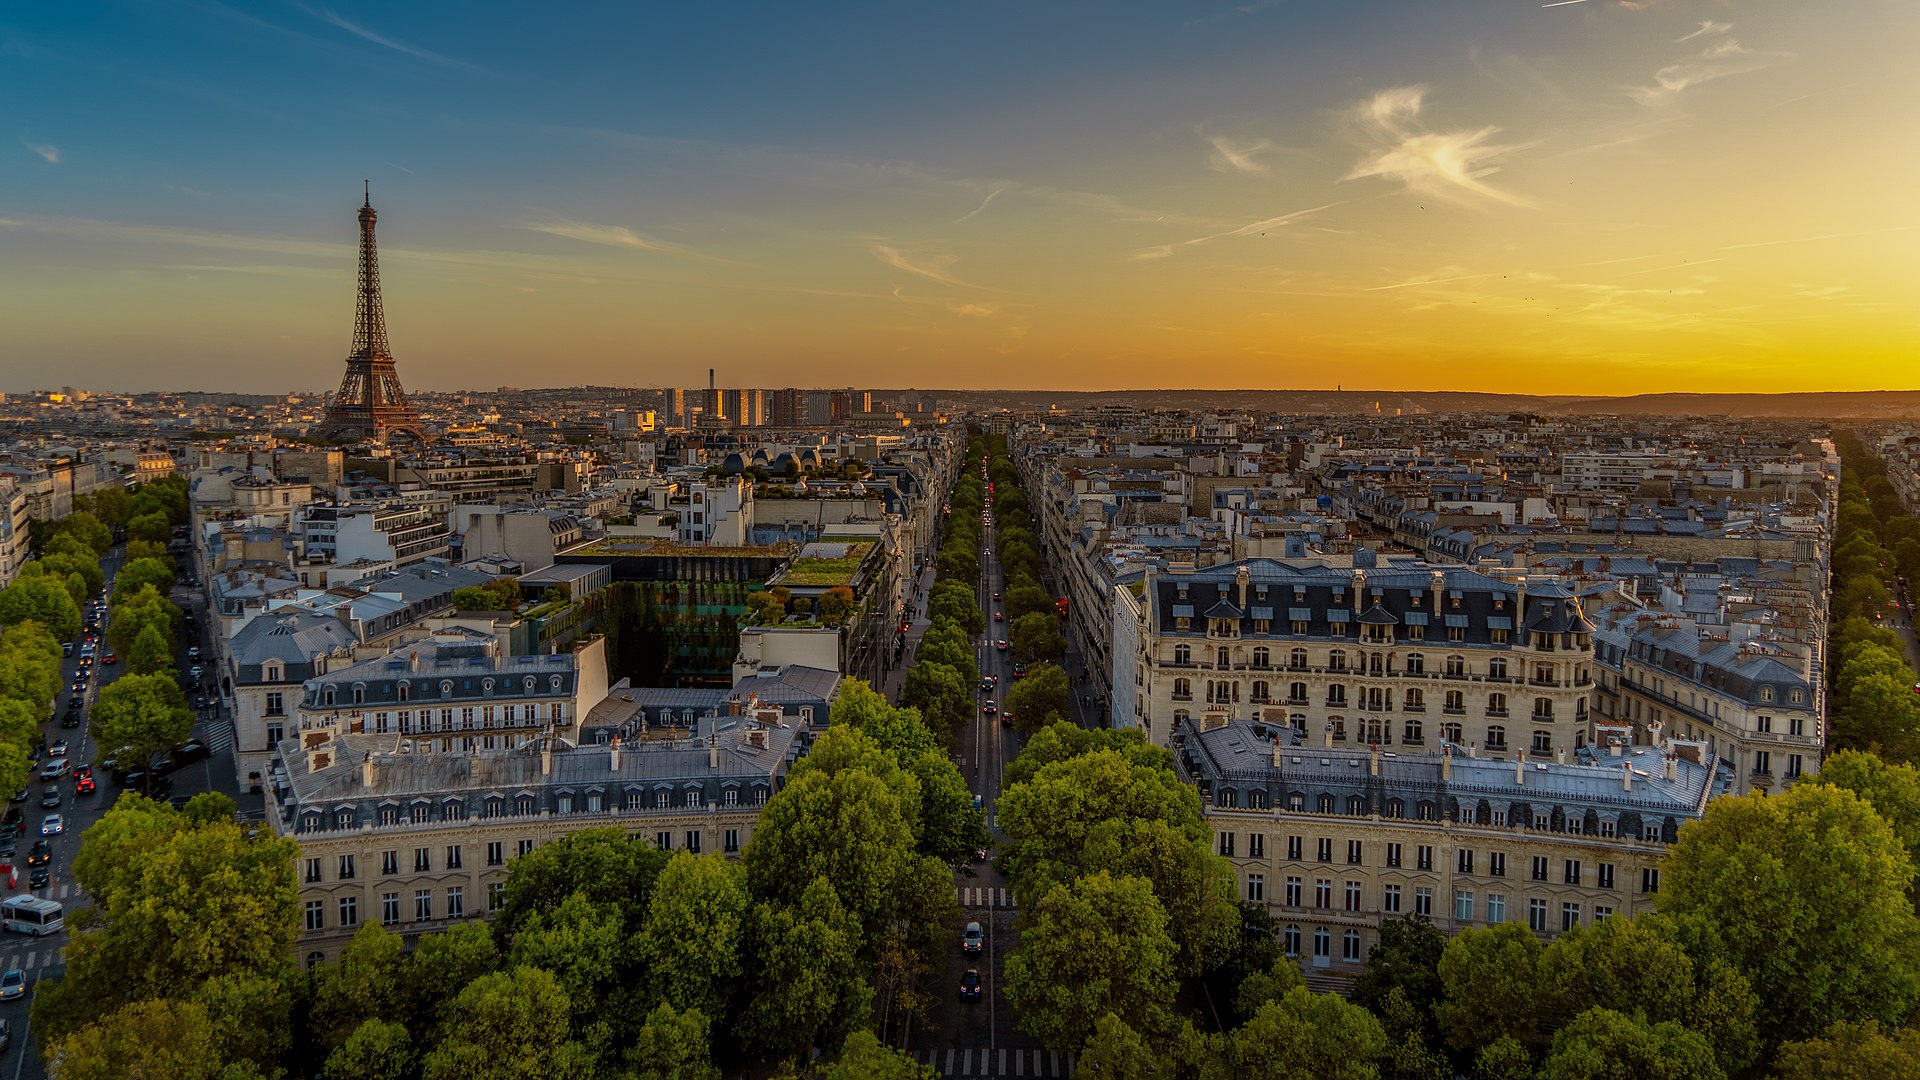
1400	194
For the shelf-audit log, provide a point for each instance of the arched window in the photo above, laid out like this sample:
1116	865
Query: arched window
1221	660
1456	701
1396	808
1183	689
1337	660
1297	659
1297	693
1182	654
1291	939
1415	732
1543	708
1261	657
1350	945
404	688
1416	698
1180	717
1497	667
1260	690
315	959
1322	942
1456	667
1496	704
326	696
1416	664
1326	803
1357	805
1766	693
1450	732
1496	737
1543	742
359	693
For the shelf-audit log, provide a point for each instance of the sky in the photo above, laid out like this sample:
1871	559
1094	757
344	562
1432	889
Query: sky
1583	197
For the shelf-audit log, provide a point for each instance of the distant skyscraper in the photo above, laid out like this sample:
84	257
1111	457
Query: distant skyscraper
370	406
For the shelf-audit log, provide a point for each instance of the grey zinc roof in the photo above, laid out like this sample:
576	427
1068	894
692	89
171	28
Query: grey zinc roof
291	639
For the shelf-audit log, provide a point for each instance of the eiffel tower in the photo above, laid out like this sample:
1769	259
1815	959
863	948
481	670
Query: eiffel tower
371	406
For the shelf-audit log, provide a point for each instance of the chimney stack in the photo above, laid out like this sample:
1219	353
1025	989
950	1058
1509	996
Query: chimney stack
1446	764
369	772
1373	759
1326	736
1673	765
1626	776
1520	767
546	755
613	754
713	748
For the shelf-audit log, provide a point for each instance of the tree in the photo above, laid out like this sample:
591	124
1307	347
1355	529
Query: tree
88	530
139	573
476	598
943	698
154	527
1892	790
175	903
19	726
1309	1036
1117	1052
1039	699
1851	1052
957	600
1095	946
367	984
376	1050
584	945
765	609
672	1045
508	1025
1809	894
148	549
1492	988
1024	600
835	605
151	653
1407	959
1037	637
41	599
138	716
144	1038
811	988
864	1057
696	931
606	865
1262	988
1601	1044
67	563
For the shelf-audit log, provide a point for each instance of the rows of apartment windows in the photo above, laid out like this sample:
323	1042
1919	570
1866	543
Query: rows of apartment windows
463	718
1413	664
422	861
1455	628
1538	916
1394	856
1519	814
329	696
526	804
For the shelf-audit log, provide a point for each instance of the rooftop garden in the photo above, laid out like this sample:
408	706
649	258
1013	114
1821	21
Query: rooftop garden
809	571
645	546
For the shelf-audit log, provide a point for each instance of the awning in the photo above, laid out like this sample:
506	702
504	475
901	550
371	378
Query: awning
1498	622
1263	613
1456	620
1336	615
1416	618
1300	614
1183	611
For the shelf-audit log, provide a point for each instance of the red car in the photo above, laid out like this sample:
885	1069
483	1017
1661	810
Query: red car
110	659
83	785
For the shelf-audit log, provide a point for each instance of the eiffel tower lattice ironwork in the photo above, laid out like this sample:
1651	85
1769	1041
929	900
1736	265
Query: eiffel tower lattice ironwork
370	406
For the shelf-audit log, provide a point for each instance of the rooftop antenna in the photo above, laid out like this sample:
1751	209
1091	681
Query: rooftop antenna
367	192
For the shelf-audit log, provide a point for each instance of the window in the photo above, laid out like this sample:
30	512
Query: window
524	847
274	734
422	905
1763	723
1353	896
1539	868
1182	654
422	859
1796	725
1322	942
1423	901
276	706
1226	844
389	862
1496	909
730	841
1256	888
453	856
496	853
313	869
1650	879
1393	854
1261	657
1324	849
1537	916
1497	667
1570	871
1763	762
1496	737
1543	741
1569	916
1183	689
1295	888
1350	945
456	903
1297	659
1425	855
390	909
496	895
1456	667
1463	860
1256	845
1416	664
1293	847
693	841
1603	874
1390	899
1414	733
1602	912
1462	906
1354	850
1497	863
316	915
349	911
1291	936
1793	766
346	868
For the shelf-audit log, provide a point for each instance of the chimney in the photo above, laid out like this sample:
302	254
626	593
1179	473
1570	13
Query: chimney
1626	776
1439	586
1560	755
713	748
613	754
1240	577
1446	763
369	772
1520	605
1673	766
1326	736
1373	759
1359	587
546	755
1520	767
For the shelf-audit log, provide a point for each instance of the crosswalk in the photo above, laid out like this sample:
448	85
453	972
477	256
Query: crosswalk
980	896
216	732
999	1064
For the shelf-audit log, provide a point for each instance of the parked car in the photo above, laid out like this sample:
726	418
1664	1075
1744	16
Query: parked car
972	939
13	822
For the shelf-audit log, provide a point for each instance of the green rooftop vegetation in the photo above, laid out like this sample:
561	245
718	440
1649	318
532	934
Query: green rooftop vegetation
814	572
644	546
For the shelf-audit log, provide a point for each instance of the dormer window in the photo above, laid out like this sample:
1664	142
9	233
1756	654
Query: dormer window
359	694
1795	696
446	687
404	688
272	672
553	682
527	684
326	696
1766	693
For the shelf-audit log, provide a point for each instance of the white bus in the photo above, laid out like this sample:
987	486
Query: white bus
26	914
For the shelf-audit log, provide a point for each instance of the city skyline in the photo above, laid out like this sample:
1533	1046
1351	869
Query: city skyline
1589	198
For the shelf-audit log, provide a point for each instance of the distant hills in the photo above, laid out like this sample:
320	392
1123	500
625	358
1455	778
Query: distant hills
1867	404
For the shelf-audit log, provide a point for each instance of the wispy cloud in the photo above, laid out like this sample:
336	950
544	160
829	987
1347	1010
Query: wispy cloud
618	236
1717	61
1443	164
402	168
1707	29
341	22
984	203
933	267
1240	157
258	269
1249	229
45	150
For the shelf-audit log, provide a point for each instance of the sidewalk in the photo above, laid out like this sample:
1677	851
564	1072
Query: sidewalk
916	629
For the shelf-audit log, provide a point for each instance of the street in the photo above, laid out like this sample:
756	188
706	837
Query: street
40	957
